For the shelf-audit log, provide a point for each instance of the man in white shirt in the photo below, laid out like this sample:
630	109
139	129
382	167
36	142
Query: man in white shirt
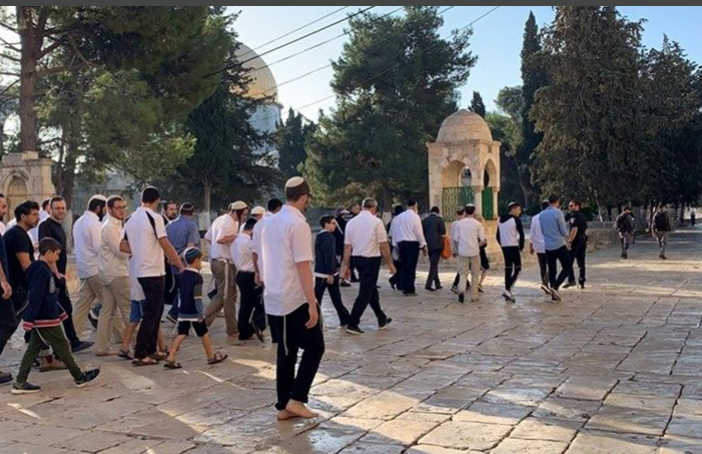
407	234
221	235
510	236
274	206
252	319
144	237
365	241
469	236
290	301
86	243
114	276
460	214
537	246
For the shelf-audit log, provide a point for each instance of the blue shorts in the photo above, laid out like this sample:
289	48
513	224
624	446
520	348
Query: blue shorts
135	313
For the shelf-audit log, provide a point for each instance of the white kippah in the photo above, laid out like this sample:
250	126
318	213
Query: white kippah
294	182
98	197
238	205
258	210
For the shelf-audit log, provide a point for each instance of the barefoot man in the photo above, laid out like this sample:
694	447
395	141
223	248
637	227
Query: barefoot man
290	300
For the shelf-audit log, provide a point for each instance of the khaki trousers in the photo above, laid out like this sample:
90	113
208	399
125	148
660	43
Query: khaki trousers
114	313
224	275
472	265
89	296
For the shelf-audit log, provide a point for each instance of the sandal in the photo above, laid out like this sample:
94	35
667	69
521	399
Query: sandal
217	358
172	365
124	354
159	356
144	362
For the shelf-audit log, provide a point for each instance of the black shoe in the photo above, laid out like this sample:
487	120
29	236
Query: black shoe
392	284
344	284
384	326
625	255
355	331
5	378
429	289
461	298
93	319
555	296
569	285
409	293
439	287
258	332
81	346
354	280
25	388
88	376
582	285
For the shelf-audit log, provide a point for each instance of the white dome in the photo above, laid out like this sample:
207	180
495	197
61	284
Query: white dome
464	125
263	83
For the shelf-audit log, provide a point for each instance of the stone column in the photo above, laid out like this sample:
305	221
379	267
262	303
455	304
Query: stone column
495	210
478	200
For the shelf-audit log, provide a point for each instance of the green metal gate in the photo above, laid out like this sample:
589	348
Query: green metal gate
452	198
488	208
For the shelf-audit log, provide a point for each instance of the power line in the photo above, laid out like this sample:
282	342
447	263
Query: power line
392	68
325	42
295	31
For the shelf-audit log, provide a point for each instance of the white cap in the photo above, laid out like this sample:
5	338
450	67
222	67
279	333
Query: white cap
294	182
238	205
258	210
98	197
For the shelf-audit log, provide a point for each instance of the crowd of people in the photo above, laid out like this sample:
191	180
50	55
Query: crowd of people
129	267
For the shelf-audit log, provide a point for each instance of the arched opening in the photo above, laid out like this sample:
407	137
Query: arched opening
457	180
17	192
489	191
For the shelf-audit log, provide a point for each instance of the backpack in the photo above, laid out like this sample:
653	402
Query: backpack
660	221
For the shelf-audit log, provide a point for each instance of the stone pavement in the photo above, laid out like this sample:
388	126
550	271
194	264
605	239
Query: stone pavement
613	369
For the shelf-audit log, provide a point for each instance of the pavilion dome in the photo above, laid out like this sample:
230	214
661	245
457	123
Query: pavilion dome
462	126
263	84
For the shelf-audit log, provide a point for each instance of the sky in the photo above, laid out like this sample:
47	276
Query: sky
496	40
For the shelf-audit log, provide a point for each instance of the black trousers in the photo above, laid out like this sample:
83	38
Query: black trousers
11	314
434	258
151	312
543	268
293	335
577	255
395	278
251	312
320	285
513	266
368	271
409	256
559	255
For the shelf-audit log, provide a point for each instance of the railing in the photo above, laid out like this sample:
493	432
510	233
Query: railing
452	198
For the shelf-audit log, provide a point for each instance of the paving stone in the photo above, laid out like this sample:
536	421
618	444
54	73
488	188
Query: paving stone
513	445
685	426
466	435
92	442
546	429
672	444
585	388
596	442
398	431
373	448
560	408
489	413
429	449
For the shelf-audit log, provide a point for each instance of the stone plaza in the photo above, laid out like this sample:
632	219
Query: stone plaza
613	369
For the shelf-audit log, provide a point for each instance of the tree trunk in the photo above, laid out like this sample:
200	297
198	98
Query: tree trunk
30	46
207	200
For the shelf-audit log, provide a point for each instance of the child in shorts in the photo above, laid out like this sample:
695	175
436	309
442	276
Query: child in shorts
191	311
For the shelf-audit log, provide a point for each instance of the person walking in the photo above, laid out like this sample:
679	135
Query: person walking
366	242
326	268
86	242
555	231
662	227
408	236
394	280
460	214
434	229
626	227
538	247
113	265
252	318
469	237
510	236
144	237
221	235
290	301
182	233
274	206
52	227
577	244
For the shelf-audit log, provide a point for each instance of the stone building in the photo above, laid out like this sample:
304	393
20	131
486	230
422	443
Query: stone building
25	176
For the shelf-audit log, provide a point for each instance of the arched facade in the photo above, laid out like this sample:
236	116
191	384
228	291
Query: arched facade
25	176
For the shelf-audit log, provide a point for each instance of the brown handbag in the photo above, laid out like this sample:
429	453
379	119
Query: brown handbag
446	252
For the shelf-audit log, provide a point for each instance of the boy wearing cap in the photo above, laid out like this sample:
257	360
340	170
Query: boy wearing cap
290	300
191	312
221	235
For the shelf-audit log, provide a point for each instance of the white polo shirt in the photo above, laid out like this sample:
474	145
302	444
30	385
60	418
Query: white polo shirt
242	253
86	241
364	233
407	226
468	234
143	238
536	236
221	227
257	235
287	240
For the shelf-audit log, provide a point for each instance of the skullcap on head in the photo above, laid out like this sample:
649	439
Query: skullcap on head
258	210
294	182
191	254
238	205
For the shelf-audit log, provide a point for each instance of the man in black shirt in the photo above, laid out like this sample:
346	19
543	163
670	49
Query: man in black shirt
52	227
577	242
20	254
7	313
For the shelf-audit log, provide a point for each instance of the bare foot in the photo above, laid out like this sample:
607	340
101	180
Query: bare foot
299	409
284	415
